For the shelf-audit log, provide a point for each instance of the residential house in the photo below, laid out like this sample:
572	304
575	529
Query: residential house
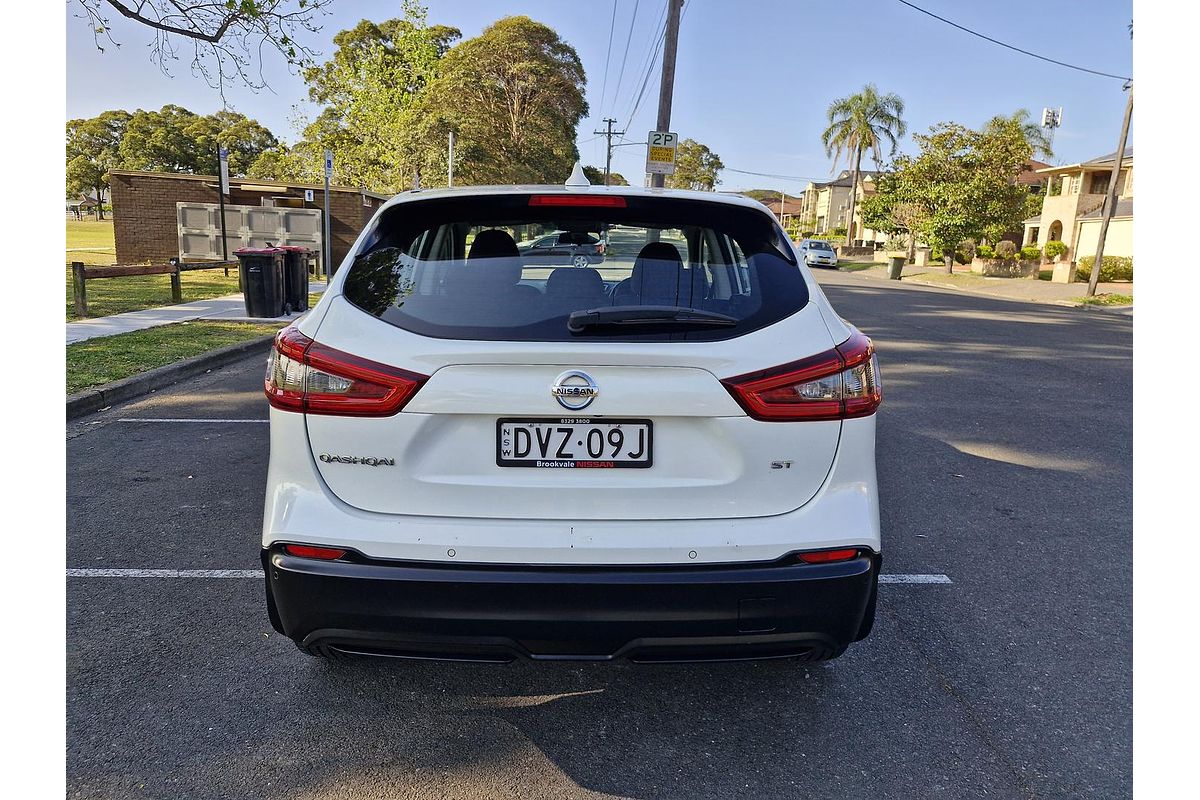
785	209
1072	204
827	205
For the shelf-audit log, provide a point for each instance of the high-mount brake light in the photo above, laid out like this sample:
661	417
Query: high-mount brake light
594	200
828	556
312	378
310	551
841	383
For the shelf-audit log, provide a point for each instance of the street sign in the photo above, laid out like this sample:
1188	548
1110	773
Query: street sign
660	152
308	195
328	164
223	154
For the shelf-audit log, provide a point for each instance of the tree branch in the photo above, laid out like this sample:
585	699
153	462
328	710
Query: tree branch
212	38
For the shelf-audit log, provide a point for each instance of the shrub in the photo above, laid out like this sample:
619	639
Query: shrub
1006	250
985	251
938	255
1113	268
839	231
1055	248
1031	253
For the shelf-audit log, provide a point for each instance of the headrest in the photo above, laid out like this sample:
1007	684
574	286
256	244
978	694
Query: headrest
657	251
493	243
574	282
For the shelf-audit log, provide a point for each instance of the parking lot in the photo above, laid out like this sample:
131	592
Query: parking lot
1005	464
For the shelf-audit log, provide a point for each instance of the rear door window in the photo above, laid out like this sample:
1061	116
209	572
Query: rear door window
464	268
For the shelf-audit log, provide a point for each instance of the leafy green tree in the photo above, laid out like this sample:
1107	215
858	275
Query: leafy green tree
280	163
596	176
961	184
696	167
514	96
174	139
93	148
371	91
1035	134
862	122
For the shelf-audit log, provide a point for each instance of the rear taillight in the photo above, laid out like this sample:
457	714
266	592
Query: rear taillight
841	383
306	376
828	556
309	551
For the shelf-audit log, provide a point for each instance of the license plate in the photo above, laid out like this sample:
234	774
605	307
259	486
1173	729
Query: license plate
574	443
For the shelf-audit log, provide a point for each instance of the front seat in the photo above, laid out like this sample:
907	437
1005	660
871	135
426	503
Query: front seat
657	278
503	275
572	289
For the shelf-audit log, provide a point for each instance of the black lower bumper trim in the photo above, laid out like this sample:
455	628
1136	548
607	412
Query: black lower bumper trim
490	613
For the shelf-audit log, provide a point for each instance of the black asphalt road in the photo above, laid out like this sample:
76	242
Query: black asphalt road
1004	459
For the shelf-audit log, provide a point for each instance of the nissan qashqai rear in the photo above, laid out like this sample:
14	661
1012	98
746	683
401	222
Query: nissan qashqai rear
666	456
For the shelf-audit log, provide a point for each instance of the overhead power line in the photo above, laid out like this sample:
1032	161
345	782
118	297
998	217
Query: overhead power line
625	56
608	55
1013	47
659	40
772	175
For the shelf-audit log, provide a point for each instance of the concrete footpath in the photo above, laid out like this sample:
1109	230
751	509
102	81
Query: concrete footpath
1024	289
230	308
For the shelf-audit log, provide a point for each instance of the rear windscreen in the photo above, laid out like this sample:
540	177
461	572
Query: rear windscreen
515	267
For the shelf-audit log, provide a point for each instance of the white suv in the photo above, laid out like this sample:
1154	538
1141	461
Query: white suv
670	457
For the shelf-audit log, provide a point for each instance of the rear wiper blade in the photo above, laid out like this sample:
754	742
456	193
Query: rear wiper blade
646	315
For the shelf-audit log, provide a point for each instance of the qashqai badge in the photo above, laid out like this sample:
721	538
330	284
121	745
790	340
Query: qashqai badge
574	390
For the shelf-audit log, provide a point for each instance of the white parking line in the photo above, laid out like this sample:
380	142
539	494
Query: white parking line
257	573
164	573
914	579
196	419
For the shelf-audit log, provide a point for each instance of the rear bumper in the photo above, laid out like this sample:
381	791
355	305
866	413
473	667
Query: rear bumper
497	613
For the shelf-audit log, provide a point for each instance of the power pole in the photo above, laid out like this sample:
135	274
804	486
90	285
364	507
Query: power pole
666	89
608	134
1110	199
450	159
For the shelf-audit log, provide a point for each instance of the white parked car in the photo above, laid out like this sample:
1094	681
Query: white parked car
668	458
818	253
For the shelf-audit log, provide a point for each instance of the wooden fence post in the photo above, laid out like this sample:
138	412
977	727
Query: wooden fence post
78	284
176	287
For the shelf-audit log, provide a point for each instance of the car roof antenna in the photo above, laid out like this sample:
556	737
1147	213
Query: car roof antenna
577	177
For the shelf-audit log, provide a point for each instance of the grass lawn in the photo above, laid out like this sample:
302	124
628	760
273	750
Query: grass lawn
91	242
114	295
110	358
1107	300
858	266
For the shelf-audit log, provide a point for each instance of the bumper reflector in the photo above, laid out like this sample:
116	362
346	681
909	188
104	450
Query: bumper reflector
827	556
308	551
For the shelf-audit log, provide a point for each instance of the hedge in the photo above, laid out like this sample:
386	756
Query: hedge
1113	268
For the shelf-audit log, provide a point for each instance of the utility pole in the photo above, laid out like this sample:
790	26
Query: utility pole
450	160
608	134
666	88
1110	199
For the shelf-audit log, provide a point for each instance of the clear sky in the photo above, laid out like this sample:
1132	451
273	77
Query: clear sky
753	78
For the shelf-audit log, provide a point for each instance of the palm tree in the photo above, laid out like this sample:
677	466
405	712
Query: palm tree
1034	134
858	123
